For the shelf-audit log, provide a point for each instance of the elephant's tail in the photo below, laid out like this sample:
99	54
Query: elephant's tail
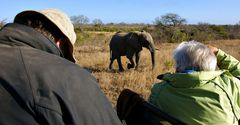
110	54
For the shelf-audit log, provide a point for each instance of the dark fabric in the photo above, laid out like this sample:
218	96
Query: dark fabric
38	87
128	102
134	110
19	35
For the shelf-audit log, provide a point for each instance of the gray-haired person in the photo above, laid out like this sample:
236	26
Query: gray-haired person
39	83
197	93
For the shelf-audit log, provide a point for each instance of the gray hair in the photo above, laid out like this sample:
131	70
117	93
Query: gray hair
194	55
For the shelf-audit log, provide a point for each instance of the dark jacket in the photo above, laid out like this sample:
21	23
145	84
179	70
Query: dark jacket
37	86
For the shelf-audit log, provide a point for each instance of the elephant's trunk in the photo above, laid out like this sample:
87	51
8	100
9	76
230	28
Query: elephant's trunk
152	50
153	59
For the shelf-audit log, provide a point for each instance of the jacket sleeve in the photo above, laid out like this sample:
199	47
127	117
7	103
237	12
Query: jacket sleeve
227	62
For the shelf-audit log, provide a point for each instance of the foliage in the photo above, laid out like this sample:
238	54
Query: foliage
219	30
81	37
233	31
170	19
201	32
178	36
110	28
203	36
167	28
78	20
97	22
2	22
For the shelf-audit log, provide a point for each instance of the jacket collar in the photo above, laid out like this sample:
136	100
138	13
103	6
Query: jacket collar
190	80
20	35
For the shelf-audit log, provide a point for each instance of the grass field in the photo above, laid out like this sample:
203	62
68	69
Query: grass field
94	56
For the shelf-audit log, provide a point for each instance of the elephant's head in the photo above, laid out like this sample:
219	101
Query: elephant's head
144	39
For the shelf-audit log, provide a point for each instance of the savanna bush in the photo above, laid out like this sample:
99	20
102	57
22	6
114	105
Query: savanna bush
167	33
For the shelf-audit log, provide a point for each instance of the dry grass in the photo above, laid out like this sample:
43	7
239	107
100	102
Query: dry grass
95	58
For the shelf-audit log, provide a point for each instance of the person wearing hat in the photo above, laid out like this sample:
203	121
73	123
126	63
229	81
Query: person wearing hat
39	81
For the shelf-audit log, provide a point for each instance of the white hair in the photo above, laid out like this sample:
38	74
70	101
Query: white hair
194	55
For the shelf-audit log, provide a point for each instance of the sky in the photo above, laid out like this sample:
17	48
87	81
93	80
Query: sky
133	11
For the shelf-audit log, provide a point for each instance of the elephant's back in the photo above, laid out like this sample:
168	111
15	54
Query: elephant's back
119	36
118	44
118	39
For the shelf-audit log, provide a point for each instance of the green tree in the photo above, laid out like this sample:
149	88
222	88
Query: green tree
170	19
220	31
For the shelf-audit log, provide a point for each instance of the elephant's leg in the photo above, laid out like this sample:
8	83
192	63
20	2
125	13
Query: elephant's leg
132	64
112	58
120	64
137	57
111	62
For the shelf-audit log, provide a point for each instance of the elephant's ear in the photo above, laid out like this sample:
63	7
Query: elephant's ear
133	41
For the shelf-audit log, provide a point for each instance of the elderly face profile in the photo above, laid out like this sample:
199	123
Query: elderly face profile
194	56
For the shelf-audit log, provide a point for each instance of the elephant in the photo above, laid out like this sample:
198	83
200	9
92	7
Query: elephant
130	44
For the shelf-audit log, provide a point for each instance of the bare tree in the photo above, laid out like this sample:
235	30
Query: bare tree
203	26
81	19
238	23
2	22
170	19
97	22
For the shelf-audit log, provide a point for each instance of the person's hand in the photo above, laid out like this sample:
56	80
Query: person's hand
213	49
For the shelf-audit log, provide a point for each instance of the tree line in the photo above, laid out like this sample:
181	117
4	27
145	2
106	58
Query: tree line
166	28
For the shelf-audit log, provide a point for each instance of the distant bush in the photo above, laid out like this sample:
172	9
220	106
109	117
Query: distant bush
81	37
219	31
179	36
162	33
203	36
110	27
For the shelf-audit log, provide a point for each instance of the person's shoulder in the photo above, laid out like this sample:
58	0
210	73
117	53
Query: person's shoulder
45	64
46	61
159	86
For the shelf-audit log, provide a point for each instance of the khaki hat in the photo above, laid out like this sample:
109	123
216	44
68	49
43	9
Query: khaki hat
61	20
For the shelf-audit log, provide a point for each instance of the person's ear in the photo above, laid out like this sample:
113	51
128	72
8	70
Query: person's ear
213	49
58	43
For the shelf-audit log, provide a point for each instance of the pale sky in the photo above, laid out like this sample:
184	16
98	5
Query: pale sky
133	11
